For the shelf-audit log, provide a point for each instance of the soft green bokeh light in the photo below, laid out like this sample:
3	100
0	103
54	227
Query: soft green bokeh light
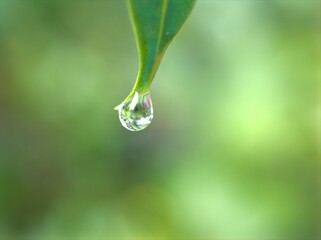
232	150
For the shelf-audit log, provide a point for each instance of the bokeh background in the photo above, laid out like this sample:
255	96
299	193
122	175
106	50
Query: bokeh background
232	153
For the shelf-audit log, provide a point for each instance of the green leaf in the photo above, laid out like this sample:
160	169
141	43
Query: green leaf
155	23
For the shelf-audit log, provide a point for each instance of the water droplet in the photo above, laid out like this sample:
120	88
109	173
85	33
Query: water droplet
136	113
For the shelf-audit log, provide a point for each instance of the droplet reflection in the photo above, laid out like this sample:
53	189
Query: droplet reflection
136	113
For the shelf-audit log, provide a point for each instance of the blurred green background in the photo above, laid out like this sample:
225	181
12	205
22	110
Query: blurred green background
232	151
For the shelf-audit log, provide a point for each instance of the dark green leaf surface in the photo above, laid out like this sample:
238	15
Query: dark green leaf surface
156	23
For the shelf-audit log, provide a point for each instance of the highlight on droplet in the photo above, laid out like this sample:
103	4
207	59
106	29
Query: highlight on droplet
136	113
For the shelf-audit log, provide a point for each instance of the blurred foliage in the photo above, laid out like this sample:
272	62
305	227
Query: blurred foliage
232	152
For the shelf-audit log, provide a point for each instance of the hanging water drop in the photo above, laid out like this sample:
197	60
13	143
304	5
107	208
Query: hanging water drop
136	113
